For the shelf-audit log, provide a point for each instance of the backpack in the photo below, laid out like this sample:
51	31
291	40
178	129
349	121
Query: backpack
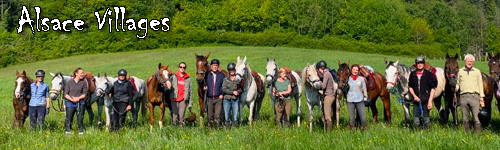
335	75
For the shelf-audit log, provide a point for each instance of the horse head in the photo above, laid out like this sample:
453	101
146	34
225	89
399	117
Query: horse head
241	69
391	74
494	66
58	83
102	85
344	72
271	70
451	70
201	67
311	76
22	84
163	74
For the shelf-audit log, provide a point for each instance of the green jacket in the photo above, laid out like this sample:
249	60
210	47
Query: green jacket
228	87
471	82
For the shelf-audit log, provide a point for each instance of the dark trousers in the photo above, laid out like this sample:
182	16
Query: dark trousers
37	114
70	113
356	107
118	115
214	109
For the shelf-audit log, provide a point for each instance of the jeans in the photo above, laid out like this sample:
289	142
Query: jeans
231	105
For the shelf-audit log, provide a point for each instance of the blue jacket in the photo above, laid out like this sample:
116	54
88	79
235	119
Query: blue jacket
38	94
214	90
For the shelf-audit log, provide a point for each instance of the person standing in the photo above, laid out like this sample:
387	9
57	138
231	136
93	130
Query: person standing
213	87
357	98
328	92
281	90
232	90
40	102
122	95
75	93
470	85
422	86
181	94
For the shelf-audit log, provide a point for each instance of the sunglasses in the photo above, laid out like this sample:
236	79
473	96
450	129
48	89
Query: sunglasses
182	67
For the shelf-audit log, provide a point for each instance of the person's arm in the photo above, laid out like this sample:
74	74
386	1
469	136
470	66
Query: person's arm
480	83
190	105
47	99
364	89
66	93
225	87
130	91
432	86
85	91
326	79
288	91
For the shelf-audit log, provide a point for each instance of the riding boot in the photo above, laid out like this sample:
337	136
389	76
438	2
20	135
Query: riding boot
228	125
477	128
234	124
351	127
427	123
416	122
466	126
217	125
328	125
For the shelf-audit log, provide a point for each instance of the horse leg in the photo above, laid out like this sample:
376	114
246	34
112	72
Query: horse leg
374	111
297	105
162	113
250	116
438	104
407	114
151	116
310	108
337	110
135	110
100	103
386	100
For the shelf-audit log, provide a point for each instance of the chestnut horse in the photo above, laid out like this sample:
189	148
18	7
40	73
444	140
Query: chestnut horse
344	72
201	70
450	94
158	94
21	98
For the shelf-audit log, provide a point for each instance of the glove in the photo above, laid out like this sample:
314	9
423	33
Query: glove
367	102
47	111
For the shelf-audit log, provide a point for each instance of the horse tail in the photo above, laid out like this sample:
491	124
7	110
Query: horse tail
144	101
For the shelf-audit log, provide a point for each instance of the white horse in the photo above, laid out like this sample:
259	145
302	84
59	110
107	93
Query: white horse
250	95
312	84
104	84
271	76
398	75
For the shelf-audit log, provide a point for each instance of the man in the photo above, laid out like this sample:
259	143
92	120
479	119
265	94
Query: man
470	84
422	86
328	92
122	95
75	93
213	87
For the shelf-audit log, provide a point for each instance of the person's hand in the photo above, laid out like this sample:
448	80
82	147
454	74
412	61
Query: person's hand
169	84
129	108
235	93
220	96
416	98
481	102
429	106
205	88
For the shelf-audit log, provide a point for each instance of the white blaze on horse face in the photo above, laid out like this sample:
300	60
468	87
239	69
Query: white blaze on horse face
56	85
391	75
270	70
17	92
102	86
165	74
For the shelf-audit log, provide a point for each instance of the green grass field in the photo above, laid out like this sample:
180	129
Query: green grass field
261	135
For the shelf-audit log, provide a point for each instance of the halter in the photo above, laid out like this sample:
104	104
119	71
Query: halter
104	91
273	78
309	81
396	81
157	75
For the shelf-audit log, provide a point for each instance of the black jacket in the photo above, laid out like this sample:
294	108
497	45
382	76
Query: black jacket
427	82
122	92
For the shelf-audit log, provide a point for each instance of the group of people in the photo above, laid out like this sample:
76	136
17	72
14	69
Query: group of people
223	93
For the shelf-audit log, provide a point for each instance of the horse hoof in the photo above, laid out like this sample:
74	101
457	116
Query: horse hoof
161	124
150	128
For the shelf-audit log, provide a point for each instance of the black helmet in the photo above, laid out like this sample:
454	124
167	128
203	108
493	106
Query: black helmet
122	72
215	61
483	114
321	64
231	66
419	59
40	73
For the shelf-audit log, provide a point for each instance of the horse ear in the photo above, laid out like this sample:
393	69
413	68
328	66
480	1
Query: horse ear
17	73
167	66
52	74
98	75
238	59
339	62
447	55
456	56
386	62
159	65
396	63
348	63
274	59
195	55
105	75
245	60
267	59
208	55
24	72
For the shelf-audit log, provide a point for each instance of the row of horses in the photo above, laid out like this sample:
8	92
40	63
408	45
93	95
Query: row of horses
152	93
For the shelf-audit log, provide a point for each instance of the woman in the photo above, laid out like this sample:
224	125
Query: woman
122	95
39	102
231	90
356	97
75	93
181	94
281	91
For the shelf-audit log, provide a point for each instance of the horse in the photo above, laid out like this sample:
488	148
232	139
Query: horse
450	94
252	89
202	68
494	68
57	92
398	77
374	93
21	98
271	76
312	85
104	84
158	95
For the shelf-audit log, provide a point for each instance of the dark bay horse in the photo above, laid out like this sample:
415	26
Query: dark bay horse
344	72
494	68
21	98
157	93
450	94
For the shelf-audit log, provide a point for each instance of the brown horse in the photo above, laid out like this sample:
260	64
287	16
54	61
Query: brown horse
450	94
378	91
157	93
21	98
201	70
494	65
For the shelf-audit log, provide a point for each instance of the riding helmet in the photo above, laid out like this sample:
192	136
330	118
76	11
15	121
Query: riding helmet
321	64
419	59
483	114
40	73
214	61
231	66
122	72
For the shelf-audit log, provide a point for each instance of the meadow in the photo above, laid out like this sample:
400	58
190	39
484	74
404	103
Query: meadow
261	135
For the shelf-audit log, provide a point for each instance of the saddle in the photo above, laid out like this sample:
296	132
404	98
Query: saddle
290	77
133	82
370	79
258	81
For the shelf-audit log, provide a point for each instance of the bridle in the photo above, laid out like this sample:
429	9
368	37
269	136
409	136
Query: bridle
202	73
396	80
62	85
160	81
99	89
273	78
311	82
